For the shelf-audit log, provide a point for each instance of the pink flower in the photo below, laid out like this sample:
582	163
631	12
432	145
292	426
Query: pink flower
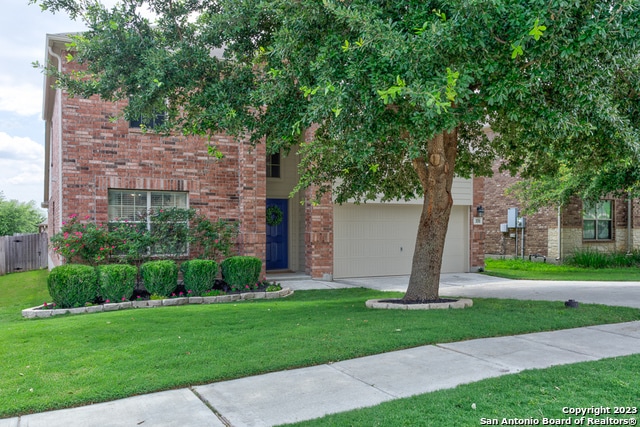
66	234
45	304
73	216
64	223
73	250
107	301
87	217
181	293
124	299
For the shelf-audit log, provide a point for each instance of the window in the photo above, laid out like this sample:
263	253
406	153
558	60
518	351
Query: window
133	206
597	221
146	122
149	124
273	165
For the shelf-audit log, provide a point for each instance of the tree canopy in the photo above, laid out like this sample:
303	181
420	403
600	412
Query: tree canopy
18	217
398	93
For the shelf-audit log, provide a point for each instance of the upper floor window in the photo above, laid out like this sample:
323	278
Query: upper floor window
597	220
273	165
149	124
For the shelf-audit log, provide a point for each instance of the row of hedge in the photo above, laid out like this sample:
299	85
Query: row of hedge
74	285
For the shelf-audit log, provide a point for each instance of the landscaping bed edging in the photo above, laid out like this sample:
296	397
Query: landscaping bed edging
385	304
39	311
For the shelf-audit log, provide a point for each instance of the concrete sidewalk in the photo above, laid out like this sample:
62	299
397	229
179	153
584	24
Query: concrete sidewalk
307	393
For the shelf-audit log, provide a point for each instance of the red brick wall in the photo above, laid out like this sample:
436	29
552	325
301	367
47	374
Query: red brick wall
496	205
98	155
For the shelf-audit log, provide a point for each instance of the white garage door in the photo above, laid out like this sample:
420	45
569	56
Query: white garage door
378	240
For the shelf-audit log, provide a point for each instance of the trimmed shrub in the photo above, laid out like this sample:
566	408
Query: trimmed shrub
72	285
241	273
199	275
160	277
117	281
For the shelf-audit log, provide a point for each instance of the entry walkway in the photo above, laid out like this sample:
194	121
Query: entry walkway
307	393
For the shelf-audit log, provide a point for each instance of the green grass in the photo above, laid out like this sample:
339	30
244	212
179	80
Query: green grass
527	270
534	394
77	359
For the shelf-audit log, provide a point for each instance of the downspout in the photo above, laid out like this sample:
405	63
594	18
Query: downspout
59	132
559	236
629	219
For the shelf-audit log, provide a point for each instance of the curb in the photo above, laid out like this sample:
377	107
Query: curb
38	312
378	303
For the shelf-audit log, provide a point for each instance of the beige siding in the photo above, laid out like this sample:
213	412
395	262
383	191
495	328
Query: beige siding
378	239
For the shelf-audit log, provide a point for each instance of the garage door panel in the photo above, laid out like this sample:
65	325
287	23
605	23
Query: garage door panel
378	240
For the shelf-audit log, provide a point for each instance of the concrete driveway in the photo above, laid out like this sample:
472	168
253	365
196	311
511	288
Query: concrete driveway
481	286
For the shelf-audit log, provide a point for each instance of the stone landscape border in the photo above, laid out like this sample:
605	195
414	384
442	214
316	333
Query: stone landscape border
385	304
40	312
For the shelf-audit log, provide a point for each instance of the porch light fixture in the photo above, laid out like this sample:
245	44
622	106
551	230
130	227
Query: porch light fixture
480	211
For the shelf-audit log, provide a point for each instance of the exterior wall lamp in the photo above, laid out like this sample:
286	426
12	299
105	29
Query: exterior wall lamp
480	211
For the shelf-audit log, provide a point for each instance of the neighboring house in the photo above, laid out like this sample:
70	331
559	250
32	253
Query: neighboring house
111	169
612	225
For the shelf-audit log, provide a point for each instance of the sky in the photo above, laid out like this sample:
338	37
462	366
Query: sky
23	28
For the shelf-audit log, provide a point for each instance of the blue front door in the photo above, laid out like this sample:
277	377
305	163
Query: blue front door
277	236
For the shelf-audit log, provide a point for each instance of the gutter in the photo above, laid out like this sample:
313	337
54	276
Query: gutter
559	233
50	41
629	227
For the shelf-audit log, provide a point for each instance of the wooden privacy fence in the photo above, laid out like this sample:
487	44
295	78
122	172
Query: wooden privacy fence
23	252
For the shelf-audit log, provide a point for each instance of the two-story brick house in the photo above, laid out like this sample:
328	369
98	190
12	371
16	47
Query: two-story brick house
110	169
612	225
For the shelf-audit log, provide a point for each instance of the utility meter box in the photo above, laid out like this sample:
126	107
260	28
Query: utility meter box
521	222
504	228
512	218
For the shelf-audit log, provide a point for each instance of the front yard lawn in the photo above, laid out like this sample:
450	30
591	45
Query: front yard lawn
78	359
527	270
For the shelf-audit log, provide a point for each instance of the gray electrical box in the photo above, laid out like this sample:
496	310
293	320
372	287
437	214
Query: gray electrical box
521	222
512	218
504	228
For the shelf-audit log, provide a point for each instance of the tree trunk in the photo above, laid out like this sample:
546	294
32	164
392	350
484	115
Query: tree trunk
436	176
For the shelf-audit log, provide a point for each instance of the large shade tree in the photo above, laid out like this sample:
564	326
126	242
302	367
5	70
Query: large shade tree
398	93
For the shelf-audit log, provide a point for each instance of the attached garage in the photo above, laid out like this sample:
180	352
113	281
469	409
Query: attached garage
378	239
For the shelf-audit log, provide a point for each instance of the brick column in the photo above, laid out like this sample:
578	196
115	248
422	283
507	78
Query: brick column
476	245
318	237
252	192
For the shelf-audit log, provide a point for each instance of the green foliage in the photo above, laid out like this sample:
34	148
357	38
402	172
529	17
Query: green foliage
72	285
160	277
213	239
377	77
169	235
87	243
241	273
381	84
272	287
117	281
18	217
592	258
172	231
199	275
